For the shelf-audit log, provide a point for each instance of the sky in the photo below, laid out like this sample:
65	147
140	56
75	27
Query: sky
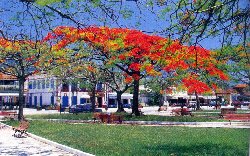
142	19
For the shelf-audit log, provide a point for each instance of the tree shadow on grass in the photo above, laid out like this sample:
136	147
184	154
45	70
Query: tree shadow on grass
195	150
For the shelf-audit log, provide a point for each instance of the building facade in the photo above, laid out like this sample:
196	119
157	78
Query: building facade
42	91
9	87
46	91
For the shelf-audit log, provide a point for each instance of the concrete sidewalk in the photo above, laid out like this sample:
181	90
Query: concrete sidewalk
32	145
193	124
162	123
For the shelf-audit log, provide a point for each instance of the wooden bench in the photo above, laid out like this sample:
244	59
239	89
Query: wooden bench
107	118
237	117
96	116
162	108
116	118
21	129
182	111
9	114
227	111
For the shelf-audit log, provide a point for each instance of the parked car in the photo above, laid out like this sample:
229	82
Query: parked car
236	103
75	109
80	108
245	103
240	103
192	104
87	106
212	103
112	106
126	105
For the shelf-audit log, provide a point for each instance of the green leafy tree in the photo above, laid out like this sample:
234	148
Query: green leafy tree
22	58
236	60
114	78
91	75
158	86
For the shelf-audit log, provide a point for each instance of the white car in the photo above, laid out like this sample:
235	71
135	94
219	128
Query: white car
192	104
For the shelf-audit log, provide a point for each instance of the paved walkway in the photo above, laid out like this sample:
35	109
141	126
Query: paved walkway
32	145
164	123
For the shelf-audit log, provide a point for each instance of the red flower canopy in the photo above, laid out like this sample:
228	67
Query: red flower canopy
142	52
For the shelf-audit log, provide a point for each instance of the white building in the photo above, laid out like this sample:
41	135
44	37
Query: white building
126	98
44	91
176	97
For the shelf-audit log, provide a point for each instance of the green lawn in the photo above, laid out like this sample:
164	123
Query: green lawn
101	139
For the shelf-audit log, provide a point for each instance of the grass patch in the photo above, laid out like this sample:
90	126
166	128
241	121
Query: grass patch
170	118
101	139
79	116
218	111
215	113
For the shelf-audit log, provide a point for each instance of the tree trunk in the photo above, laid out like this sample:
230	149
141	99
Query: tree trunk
92	99
119	102
59	97
21	98
161	100
136	98
198	107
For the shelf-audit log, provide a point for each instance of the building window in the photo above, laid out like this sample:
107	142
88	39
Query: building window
47	83
73	87
34	84
99	87
38	84
16	83
65	87
30	85
52	83
43	84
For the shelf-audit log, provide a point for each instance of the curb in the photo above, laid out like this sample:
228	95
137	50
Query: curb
63	147
55	144
194	124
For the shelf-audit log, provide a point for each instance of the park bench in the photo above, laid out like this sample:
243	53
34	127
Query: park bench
182	111
116	118
107	118
237	117
9	114
21	129
96	116
162	108
227	111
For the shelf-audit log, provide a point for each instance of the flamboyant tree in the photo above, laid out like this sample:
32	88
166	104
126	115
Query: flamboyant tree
22	58
138	54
